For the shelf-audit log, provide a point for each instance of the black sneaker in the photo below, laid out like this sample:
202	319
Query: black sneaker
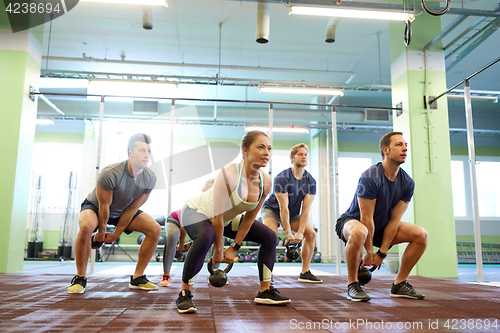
142	283
271	296
78	284
404	289
184	302
308	277
356	293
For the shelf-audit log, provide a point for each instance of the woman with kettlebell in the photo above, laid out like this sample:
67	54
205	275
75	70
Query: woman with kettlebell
239	188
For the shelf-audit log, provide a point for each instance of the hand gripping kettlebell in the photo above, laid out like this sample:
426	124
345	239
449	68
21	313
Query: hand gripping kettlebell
365	274
218	278
95	245
292	251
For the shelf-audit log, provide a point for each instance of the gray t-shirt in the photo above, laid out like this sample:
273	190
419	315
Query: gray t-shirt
126	189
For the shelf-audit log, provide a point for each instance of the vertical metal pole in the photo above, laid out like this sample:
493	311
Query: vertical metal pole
336	184
271	121
171	151
472	164
328	198
68	214
99	146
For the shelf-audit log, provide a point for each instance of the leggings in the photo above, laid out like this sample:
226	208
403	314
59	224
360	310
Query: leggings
199	229
173	235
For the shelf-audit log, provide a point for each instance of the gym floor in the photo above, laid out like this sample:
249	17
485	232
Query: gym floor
35	300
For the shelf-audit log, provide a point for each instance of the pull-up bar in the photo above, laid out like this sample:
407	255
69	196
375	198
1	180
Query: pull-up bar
227	101
468	78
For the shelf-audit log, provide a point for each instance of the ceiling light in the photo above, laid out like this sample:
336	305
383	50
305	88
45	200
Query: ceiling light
44	121
278	129
134	2
132	88
300	90
352	13
475	98
51	82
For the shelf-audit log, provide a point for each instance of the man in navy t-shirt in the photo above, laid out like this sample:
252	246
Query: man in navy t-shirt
374	219
294	191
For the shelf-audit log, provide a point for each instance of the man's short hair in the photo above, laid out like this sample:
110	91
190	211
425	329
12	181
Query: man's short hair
385	141
295	149
141	137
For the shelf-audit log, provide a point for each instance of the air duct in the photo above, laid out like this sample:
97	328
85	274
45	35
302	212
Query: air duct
330	29
263	20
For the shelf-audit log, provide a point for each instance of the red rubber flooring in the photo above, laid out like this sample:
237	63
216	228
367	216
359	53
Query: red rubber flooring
40	303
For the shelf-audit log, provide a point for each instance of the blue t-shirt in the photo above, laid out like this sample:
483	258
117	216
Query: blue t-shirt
285	182
373	184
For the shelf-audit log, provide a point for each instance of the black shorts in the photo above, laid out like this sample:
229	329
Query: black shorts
114	221
339	228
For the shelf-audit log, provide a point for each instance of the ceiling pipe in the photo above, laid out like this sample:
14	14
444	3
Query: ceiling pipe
147	17
174	64
263	23
331	27
380	6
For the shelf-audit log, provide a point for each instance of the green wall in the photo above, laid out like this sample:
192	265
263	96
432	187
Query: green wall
59	137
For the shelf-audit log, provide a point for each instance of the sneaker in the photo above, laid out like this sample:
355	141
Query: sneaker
165	281
271	296
308	277
78	284
272	280
404	289
184	302
141	282
356	293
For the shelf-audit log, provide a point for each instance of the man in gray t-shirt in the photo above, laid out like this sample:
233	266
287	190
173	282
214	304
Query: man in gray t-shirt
122	188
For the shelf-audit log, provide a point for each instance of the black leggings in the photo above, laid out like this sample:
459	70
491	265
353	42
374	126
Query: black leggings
200	230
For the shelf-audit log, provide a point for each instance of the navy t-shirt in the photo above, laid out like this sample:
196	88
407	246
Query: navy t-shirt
285	182
373	184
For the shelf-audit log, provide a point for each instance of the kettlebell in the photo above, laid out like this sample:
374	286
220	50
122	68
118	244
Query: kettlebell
178	255
218	278
95	245
365	274
292	251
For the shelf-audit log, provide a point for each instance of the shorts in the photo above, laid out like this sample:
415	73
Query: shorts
268	213
170	219
339	228
114	221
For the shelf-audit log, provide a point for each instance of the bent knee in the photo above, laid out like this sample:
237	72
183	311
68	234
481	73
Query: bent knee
86	229
310	233
157	230
358	235
423	235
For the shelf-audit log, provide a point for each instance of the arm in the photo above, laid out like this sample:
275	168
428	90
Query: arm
182	237
285	215
304	216
220	201
247	222
390	230
105	199
126	218
367	208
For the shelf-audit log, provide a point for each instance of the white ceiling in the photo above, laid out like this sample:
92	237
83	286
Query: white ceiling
187	32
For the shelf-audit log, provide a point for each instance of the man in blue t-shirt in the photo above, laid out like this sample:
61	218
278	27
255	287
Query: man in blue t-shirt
294	188
374	219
